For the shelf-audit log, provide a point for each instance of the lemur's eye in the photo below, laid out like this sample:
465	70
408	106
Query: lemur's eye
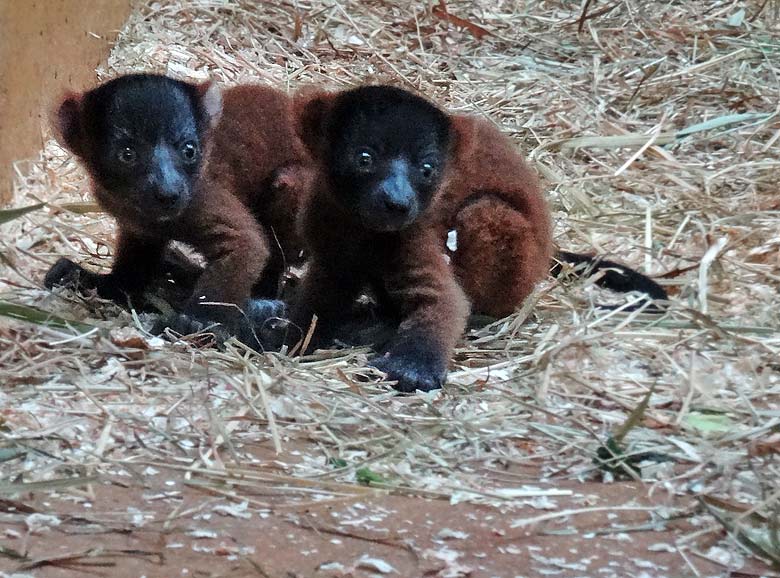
427	170
190	152
127	155
364	160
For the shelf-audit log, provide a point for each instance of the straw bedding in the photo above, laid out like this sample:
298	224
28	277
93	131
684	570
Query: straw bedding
655	126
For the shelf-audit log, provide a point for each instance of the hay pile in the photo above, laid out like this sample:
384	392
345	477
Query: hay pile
656	127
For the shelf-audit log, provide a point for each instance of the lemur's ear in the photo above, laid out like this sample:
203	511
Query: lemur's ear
210	97
312	109
67	122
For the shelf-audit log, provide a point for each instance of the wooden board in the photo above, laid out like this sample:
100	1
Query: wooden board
46	46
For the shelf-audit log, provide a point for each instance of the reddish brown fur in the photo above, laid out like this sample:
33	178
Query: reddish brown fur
254	181
242	214
419	285
489	195
493	200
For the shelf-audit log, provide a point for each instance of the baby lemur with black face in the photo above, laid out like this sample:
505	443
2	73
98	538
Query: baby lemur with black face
222	171
396	173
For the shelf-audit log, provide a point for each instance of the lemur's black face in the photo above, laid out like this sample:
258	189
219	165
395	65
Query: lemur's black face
141	136
387	151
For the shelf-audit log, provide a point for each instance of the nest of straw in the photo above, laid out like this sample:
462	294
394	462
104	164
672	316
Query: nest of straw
655	126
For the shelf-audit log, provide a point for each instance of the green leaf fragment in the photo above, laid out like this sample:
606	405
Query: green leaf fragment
82	208
709	423
40	317
338	462
7	215
366	477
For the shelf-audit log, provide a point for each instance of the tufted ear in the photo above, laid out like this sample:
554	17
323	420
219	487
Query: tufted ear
67	122
311	111
210	98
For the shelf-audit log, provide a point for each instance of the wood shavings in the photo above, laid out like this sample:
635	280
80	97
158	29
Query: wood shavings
376	564
656	130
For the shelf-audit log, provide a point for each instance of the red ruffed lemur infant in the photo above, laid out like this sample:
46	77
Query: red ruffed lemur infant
395	174
221	171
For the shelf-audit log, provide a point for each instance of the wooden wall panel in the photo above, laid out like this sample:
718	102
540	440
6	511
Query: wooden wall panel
46	46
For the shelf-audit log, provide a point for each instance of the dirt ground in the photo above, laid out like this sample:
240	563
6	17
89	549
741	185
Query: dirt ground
165	528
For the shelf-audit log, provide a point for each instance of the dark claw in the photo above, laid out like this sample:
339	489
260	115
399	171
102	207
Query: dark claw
267	323
184	324
410	373
260	327
65	273
261	311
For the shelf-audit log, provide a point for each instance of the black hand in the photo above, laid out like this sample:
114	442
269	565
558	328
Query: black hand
414	364
66	273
